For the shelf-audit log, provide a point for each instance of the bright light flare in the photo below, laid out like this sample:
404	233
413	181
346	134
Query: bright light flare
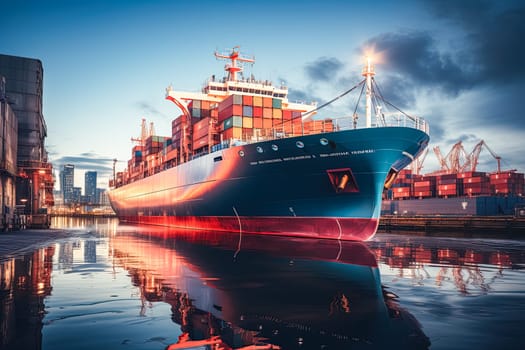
373	57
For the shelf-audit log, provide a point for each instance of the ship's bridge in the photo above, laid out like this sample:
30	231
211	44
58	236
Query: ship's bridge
244	87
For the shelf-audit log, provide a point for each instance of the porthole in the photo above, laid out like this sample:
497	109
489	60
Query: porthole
323	141
275	147
259	149
241	153
299	144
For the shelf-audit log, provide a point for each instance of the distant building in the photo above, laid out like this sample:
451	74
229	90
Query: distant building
67	177
90	186
102	196
76	195
23	90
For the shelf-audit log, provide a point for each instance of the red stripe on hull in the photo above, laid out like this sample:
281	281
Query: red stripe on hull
353	229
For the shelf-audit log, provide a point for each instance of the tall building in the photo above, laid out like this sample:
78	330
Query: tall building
90	186
67	177
23	91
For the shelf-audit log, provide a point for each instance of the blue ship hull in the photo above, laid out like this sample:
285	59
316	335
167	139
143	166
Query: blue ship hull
324	185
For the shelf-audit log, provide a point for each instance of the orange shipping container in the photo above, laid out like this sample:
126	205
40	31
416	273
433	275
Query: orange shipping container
267	113
257	122
201	142
267	123
267	102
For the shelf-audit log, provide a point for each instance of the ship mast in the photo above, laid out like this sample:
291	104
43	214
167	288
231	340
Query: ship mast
368	73
233	68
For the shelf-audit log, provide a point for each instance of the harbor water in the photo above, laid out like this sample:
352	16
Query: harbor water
111	286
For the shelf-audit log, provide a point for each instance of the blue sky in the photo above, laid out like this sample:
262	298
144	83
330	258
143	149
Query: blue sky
458	64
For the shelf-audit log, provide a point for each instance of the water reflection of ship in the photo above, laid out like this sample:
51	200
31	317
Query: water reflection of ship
460	261
253	290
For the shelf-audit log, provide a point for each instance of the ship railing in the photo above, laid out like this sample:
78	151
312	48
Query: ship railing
298	127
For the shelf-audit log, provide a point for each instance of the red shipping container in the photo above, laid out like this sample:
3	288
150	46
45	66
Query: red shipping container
424	194
477	179
257	111
201	142
233	110
247	133
471	174
287	114
247	100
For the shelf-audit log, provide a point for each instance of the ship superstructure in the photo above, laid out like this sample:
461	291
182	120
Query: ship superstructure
242	157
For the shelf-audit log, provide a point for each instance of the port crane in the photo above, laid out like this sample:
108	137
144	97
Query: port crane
458	160
474	156
144	133
417	164
452	162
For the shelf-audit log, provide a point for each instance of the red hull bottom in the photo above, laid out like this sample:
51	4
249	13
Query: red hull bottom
352	229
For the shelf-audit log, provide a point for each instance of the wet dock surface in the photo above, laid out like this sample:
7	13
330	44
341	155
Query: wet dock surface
13	243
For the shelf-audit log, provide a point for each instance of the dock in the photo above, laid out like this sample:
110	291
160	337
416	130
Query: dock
436	223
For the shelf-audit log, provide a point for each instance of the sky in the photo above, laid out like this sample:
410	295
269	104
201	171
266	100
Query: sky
458	64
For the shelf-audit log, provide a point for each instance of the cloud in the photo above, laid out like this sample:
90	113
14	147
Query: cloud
493	35
324	69
86	162
414	56
149	109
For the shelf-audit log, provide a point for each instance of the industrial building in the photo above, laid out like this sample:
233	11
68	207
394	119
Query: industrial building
23	143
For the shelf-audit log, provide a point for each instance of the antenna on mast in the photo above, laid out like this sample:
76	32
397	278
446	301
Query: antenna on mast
368	73
234	56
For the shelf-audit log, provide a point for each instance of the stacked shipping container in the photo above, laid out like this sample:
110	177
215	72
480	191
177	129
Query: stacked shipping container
408	185
242	117
508	182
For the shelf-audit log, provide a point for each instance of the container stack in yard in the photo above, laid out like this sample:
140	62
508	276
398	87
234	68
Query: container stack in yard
466	193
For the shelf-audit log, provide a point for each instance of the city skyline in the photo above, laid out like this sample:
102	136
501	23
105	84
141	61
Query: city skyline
106	65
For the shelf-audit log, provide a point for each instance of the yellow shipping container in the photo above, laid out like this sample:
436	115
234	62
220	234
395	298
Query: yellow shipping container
277	113
257	101
247	122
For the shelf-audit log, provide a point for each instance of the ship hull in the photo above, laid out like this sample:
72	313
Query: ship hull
290	186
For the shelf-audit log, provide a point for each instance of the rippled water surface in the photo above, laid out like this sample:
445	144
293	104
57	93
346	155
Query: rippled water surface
128	287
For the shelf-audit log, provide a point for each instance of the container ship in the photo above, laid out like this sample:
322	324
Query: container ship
242	157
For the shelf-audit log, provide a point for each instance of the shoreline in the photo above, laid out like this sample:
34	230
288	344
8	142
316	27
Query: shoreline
464	224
